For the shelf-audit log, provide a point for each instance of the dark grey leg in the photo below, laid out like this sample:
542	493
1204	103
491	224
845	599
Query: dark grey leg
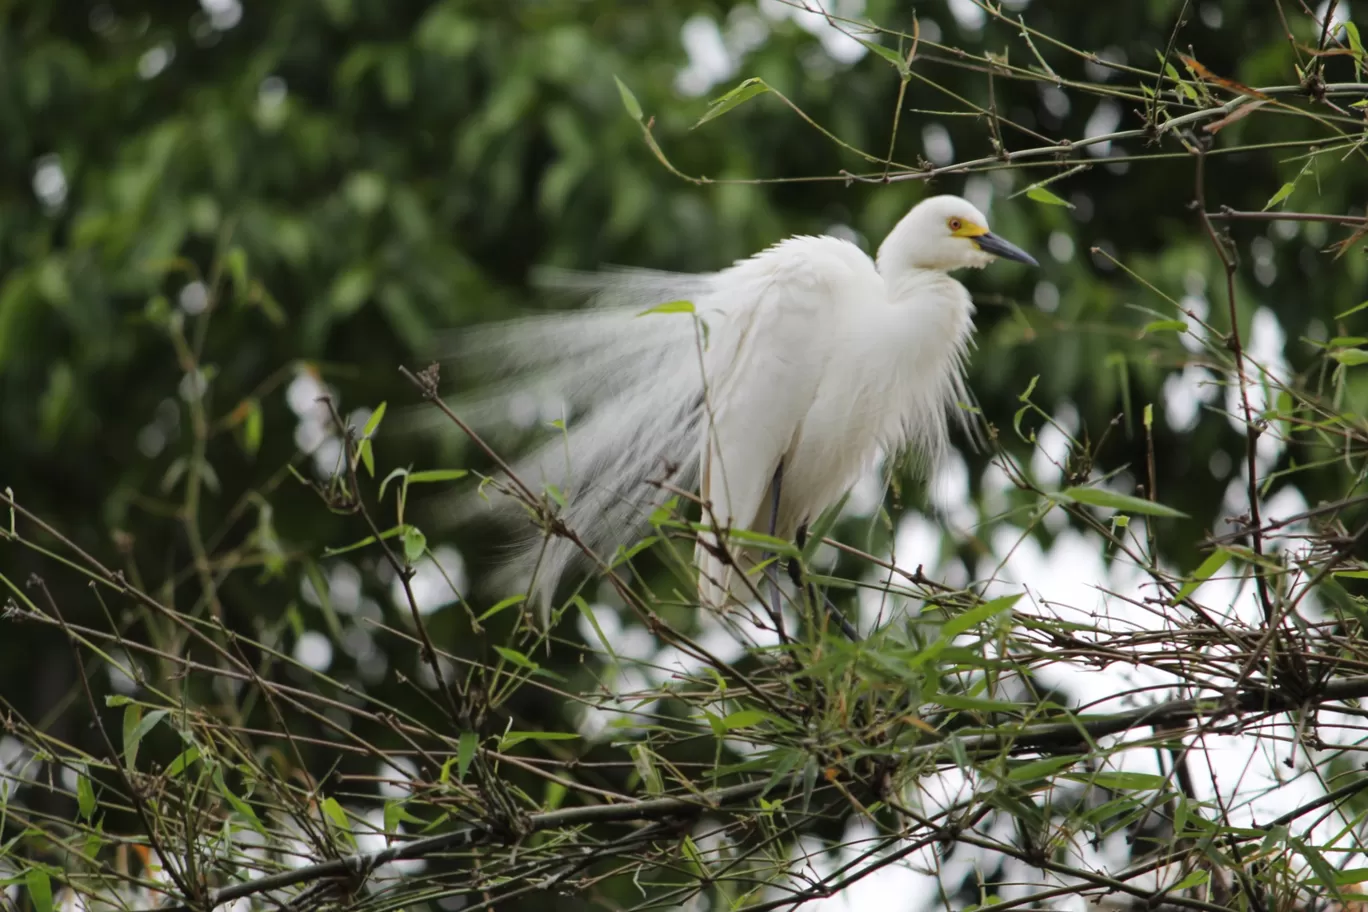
771	572
796	574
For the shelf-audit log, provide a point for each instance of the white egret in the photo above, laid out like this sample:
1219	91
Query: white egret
780	385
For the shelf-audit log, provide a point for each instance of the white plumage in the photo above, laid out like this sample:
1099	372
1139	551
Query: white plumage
811	355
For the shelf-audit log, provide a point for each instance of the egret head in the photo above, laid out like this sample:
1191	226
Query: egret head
946	233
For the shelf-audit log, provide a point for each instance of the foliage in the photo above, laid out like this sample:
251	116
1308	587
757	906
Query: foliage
249	658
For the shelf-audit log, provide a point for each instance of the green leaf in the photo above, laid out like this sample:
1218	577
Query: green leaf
374	421
1042	195
745	718
1099	497
179	765
333	811
1215	561
745	538
85	795
1324	871
644	763
368	540
690	848
506	603
238	804
517	658
742	93
252	425
1283	193
957	625
1129	781
514	738
670	307
887	53
465	752
623	555
1350	357
135	728
1039	769
1356	47
1194	879
415	543
629	101
40	889
1350	876
1165	326
396	473
363	449
974	616
433	475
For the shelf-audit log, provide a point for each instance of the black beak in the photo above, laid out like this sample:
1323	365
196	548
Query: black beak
991	243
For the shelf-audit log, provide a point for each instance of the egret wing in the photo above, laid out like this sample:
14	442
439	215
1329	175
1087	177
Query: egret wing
763	367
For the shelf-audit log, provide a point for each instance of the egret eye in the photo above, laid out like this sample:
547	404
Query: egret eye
955	224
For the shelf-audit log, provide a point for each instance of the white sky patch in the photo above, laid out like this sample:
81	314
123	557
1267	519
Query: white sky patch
438	580
156	59
1184	393
978	190
948	492
1105	118
937	145
968	14
1341	14
223	14
1266	368
826	20
710	61
49	182
314	650
621	712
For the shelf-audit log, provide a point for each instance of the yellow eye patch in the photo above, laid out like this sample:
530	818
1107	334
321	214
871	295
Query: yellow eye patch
965	229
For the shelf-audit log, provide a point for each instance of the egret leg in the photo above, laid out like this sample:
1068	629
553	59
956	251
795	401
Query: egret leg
795	570
771	572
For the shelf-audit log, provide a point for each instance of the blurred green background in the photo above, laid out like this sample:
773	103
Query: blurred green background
273	196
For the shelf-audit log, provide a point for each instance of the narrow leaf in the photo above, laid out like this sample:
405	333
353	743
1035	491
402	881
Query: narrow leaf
1039	769
1129	781
1100	497
465	752
1283	193
974	616
374	422
85	795
1350	357
629	101
40	889
517	658
1042	195
745	718
887	53
432	475
506	603
1215	561
518	737
187	757
739	95
1194	879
